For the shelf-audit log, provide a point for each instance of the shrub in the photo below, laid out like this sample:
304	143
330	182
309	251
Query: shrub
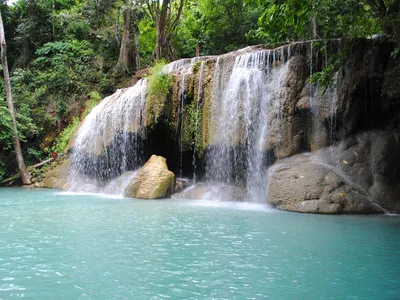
61	142
158	88
94	99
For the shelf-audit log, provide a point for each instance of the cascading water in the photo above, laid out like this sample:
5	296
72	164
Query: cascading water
179	129
109	141
241	116
185	68
199	91
247	113
333	94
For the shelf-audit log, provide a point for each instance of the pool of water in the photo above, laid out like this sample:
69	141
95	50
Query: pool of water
60	246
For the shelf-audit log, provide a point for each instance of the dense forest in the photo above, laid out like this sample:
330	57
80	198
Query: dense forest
66	55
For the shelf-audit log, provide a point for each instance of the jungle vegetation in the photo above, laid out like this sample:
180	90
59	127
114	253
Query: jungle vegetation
65	55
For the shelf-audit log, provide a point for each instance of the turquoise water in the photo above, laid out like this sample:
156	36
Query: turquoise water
57	246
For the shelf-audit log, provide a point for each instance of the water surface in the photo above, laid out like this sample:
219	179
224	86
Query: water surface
60	246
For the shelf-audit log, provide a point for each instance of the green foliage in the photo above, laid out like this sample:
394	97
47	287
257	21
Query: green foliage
3	170
5	129
325	77
33	155
26	113
94	98
158	87
289	20
61	142
64	69
196	66
147	40
62	57
218	26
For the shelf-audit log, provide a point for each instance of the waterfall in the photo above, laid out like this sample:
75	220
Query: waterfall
247	103
199	91
185	67
333	94
179	128
313	87
109	142
253	91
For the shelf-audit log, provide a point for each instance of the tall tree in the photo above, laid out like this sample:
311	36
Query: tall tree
20	159
34	29
166	15
129	58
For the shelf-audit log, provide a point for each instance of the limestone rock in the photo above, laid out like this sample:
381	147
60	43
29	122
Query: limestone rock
57	177
152	181
372	160
312	187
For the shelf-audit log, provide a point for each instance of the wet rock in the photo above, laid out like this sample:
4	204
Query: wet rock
369	160
311	187
57	177
152	181
181	184
372	160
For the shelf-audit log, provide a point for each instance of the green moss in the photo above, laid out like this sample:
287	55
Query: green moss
196	66
191	134
158	88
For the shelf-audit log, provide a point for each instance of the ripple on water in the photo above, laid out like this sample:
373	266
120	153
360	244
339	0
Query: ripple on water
61	246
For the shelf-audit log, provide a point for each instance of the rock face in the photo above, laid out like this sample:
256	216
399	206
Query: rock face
372	160
57	177
228	118
345	178
316	188
152	181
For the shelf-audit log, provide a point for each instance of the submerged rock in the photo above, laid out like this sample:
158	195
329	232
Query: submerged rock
314	187
181	184
152	181
208	191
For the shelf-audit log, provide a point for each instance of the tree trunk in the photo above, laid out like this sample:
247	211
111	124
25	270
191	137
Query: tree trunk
314	20
314	26
129	58
135	48
160	28
20	160
166	24
53	17
158	43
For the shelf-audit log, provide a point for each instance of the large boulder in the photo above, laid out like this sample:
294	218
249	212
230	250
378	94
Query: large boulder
314	187
368	163
57	177
152	181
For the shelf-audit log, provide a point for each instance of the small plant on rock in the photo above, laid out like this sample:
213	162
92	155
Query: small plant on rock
158	87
